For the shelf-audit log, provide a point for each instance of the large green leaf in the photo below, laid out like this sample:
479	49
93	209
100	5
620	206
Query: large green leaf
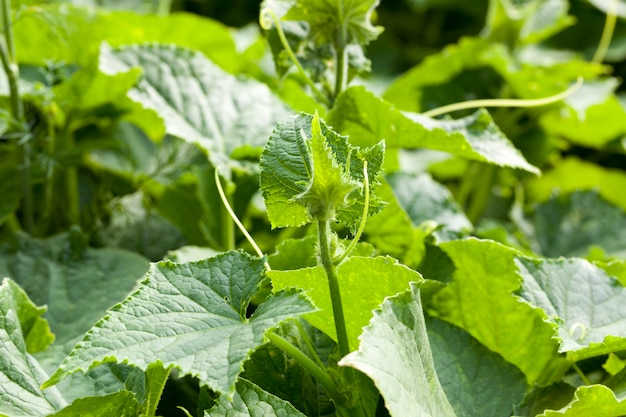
367	118
364	283
477	381
571	224
480	300
119	404
591	400
287	171
582	301
77	283
197	100
202	327
395	353
20	373
250	400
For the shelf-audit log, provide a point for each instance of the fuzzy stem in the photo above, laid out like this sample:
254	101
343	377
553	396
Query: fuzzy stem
307	363
341	71
504	102
366	206
324	239
266	18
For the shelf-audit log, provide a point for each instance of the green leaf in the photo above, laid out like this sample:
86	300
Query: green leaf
328	17
287	171
582	301
119	404
572	224
480	300
395	353
20	373
424	199
294	254
591	400
477	381
367	281
77	284
197	100
252	401
202	328
330	185
572	174
365	118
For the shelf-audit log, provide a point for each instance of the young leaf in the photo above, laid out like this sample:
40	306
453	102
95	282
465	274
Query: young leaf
395	353
584	303
477	381
328	17
197	100
480	300
288	169
367	118
591	400
119	404
367	281
202	327
251	401
20	373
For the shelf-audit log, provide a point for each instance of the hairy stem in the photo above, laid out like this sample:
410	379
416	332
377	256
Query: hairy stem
341	70
11	69
307	363
267	19
324	239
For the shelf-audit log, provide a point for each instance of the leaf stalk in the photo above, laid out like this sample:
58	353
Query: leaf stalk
366	206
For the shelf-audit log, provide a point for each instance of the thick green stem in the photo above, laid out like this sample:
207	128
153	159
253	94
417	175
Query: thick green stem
324	240
307	363
70	180
11	69
341	72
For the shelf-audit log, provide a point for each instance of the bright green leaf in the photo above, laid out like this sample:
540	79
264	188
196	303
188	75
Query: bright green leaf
480	300
585	305
367	281
591	400
202	328
330	17
119	404
287	169
20	373
572	174
477	381
395	353
252	401
197	100
367	118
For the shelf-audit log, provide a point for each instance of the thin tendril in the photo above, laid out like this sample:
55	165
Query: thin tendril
607	34
233	216
504	102
357	236
267	19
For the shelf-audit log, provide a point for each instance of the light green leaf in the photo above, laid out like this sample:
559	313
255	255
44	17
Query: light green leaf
328	17
202	328
252	401
367	281
571	224
294	254
119	404
20	373
287	169
395	353
197	100
476	381
365	118
480	300
582	301
591	400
